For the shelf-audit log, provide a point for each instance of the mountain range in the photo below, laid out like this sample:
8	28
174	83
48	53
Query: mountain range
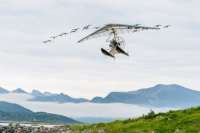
172	95
14	112
158	96
3	91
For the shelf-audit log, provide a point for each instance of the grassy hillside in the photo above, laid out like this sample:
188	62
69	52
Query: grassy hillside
183	121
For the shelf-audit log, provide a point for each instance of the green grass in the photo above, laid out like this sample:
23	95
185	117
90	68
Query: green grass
182	121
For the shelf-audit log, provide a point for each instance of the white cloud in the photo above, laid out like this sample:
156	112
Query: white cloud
167	56
81	109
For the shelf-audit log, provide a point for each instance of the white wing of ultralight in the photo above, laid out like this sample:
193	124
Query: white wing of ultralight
119	28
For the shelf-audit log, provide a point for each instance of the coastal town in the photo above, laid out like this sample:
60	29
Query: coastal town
17	128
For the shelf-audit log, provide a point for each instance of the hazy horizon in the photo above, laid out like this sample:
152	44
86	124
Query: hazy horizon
90	98
77	110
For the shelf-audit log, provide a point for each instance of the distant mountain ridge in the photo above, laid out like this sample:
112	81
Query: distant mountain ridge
14	112
61	98
46	96
3	91
19	90
160	96
36	93
171	95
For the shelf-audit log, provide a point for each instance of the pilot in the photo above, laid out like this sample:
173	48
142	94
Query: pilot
114	43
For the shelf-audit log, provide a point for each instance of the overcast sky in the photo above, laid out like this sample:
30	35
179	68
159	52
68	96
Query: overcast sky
80	70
